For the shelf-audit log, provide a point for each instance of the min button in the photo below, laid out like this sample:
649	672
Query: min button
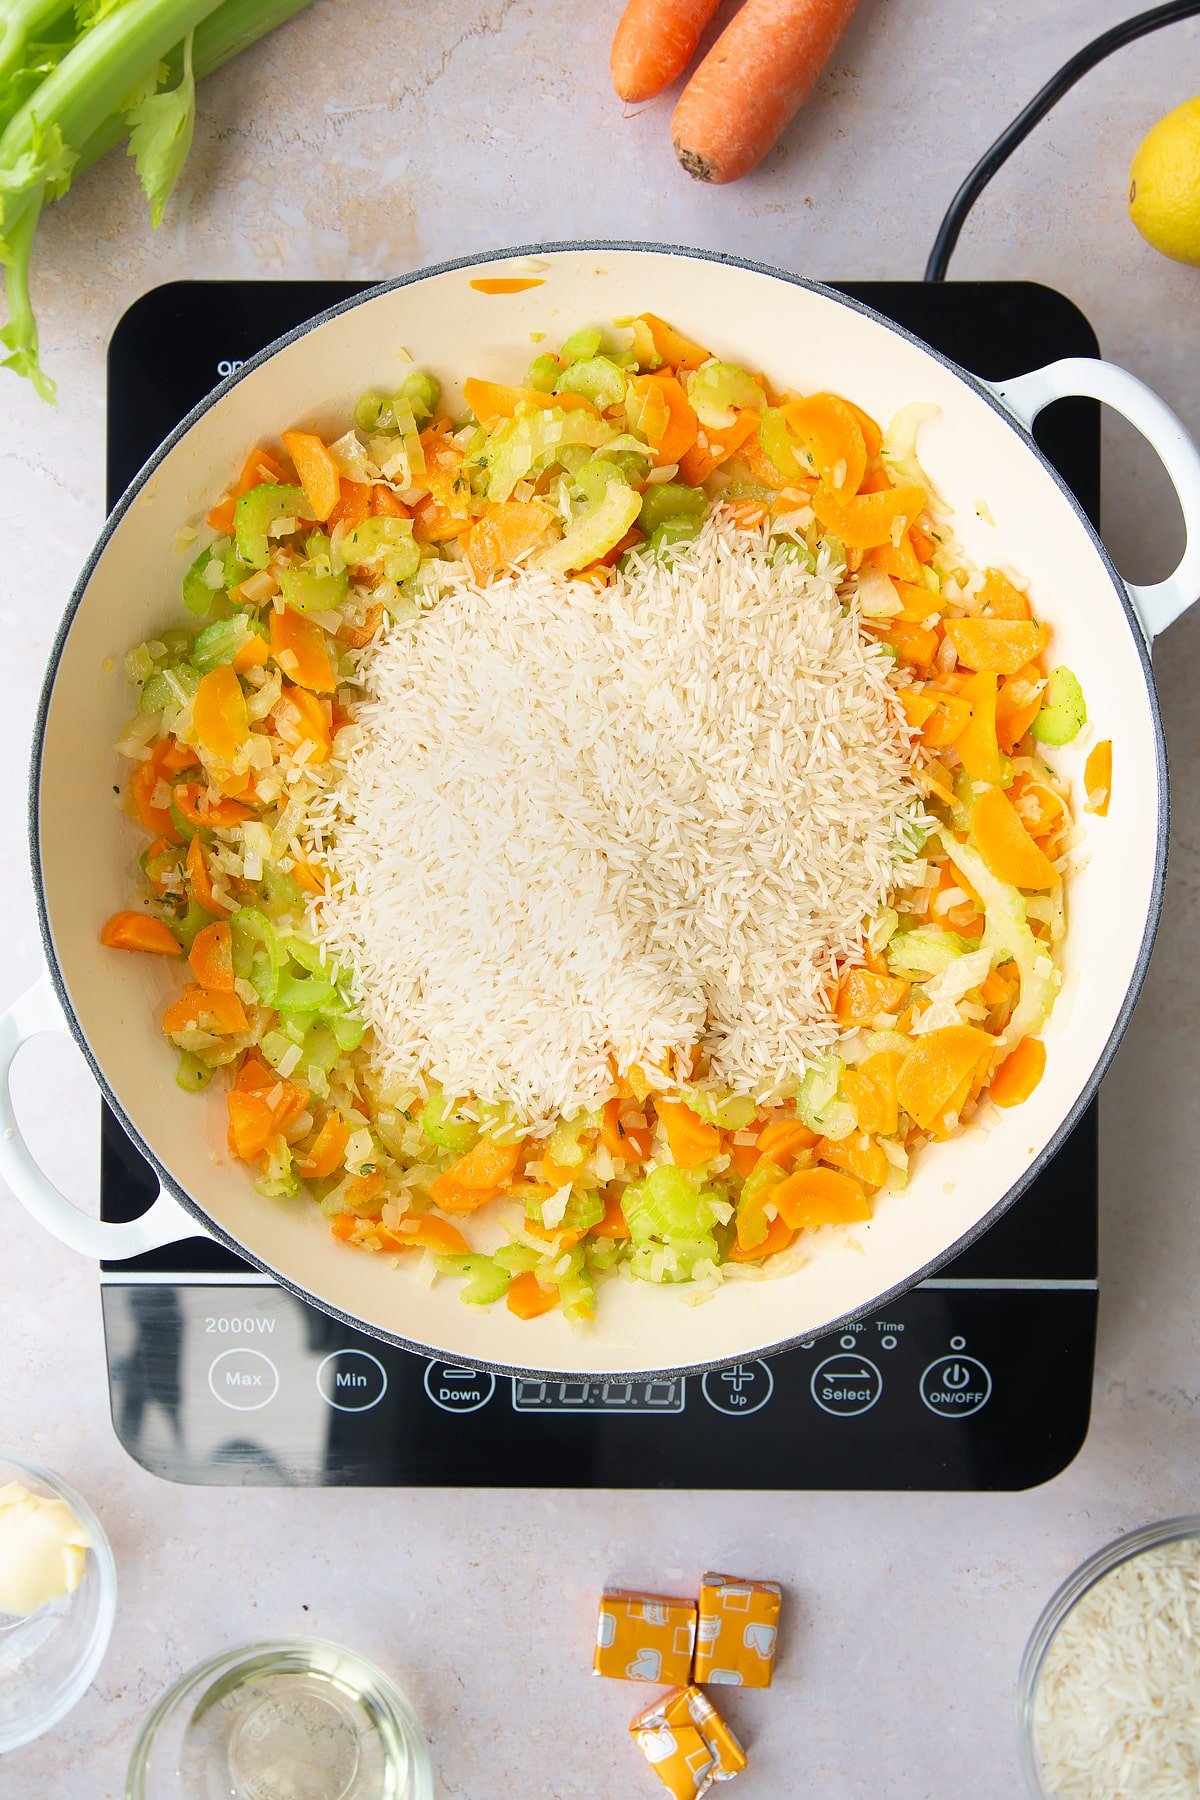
956	1386
352	1381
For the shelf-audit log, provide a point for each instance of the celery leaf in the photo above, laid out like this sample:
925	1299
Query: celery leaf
160	136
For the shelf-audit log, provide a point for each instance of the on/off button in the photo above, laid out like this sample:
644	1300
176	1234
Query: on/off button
956	1386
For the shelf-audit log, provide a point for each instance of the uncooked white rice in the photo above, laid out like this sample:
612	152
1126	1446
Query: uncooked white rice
566	823
1117	1710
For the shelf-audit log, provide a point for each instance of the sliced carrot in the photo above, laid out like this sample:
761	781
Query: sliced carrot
692	1139
936	1066
353	506
506	284
424	1231
219	718
365	1188
223	516
491	400
1017	705
142	789
668	418
211	957
871	1090
251	1124
1000	645
387	504
1000	599
815	1197
625	1143
319	475
1041	810
159	851
527	1296
345	1226
139	931
1097	778
899	561
1019	1073
173	757
832	442
328	1149
476	1177
862	521
506	532
654	43
778	1236
192	801
916	645
359	635
614	1224
858	1155
676	350
196	1009
300	718
977	744
782	1139
698	463
259	467
310	876
753	81
299	646
862	996
1005	846
252	654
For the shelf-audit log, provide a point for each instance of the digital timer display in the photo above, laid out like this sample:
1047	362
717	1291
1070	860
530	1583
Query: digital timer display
663	1396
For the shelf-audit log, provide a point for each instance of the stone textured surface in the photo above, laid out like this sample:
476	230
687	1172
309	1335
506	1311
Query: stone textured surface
362	140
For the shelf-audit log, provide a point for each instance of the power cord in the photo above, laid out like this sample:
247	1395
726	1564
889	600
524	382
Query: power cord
998	154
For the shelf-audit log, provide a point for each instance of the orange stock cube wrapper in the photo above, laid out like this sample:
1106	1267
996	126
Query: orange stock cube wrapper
644	1637
687	1743
737	1631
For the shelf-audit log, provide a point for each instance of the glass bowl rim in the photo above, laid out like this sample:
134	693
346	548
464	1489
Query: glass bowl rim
1057	1609
72	1690
421	1773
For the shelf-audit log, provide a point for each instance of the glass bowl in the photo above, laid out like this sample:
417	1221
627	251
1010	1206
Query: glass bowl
49	1658
298	1717
1063	1603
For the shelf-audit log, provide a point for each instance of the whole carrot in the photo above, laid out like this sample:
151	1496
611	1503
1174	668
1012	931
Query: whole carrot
752	83
654	44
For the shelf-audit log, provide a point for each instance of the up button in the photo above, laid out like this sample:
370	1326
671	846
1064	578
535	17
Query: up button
956	1386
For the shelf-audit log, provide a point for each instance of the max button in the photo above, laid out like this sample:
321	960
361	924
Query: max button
846	1385
352	1381
243	1379
456	1389
954	1387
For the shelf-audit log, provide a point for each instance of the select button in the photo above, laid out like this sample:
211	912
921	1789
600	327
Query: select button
846	1385
352	1381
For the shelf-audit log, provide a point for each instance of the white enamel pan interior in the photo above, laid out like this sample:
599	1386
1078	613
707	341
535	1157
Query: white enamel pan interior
1009	508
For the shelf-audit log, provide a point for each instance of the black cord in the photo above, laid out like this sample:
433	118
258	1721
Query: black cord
994	158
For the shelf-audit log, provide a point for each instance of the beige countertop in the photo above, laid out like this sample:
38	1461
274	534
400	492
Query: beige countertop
363	140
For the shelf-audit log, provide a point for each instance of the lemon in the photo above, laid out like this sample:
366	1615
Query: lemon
1164	184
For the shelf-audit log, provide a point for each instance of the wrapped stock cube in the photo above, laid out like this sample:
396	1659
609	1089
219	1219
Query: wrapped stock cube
645	1637
687	1743
737	1631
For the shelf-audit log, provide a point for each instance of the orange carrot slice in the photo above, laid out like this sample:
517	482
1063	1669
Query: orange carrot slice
862	996
676	350
299	647
1006	847
858	1155
1019	1073
507	531
692	1139
193	802
832	442
815	1197
977	744
1017	705
778	1236
667	417
476	1177
506	284
219	717
1097	778
319	476
196	1009
423	1231
527	1296
1000	599
492	400
353	506
614	1224
782	1139
1000	645
328	1149
936	1067
139	931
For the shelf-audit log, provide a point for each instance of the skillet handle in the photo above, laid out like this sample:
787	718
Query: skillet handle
1159	604
34	1014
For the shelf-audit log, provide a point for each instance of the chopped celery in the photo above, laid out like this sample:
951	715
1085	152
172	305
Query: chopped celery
172	686
373	411
446	1128
198	592
304	993
882	929
528	444
309	592
1006	932
671	1221
257	956
597	530
817	1102
347	1030
543	375
499	1121
191	925
192	1075
517	1258
675	1261
926	951
485	1281
647	356
1064	710
581	346
665	500
594	476
604	1253
582	1212
774	437
283	890
764	1174
732	1112
576	1289
220	642
597	378
664	537
278	1180
420	392
719	390
321	1049
385	541
563	1145
258	510
793	550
